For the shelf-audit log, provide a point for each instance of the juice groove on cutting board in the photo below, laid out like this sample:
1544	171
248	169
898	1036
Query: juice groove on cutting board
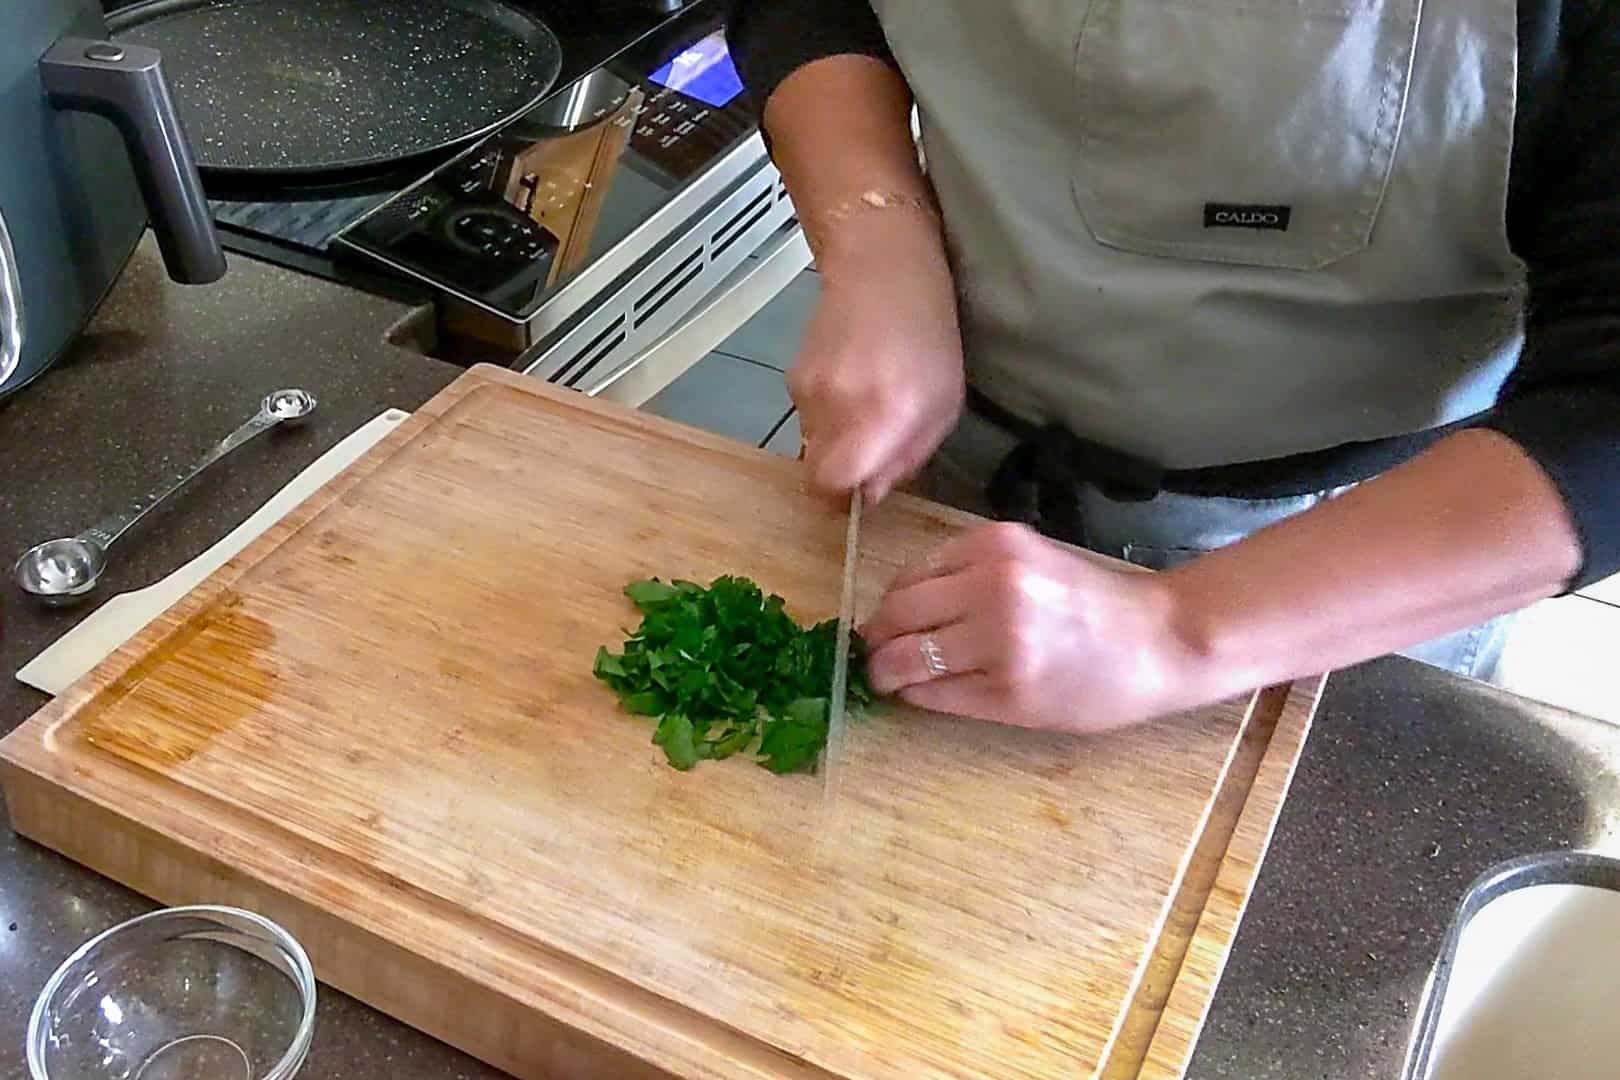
380	722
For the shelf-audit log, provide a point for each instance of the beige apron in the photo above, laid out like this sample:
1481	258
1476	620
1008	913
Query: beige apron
1213	231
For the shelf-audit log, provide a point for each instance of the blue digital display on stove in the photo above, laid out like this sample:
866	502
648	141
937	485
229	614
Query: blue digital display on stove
704	72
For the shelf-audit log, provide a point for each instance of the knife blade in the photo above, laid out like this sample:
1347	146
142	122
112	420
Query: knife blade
836	718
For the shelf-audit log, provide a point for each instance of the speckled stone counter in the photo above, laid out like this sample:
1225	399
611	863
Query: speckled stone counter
1412	782
165	371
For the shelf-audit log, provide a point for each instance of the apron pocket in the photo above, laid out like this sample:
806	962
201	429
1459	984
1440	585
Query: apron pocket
1258	132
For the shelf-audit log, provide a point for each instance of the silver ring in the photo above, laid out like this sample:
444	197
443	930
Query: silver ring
934	657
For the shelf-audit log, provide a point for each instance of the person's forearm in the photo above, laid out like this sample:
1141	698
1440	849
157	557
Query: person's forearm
1471	529
841	132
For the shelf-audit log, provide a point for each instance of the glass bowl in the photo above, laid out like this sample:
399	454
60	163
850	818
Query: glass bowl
186	992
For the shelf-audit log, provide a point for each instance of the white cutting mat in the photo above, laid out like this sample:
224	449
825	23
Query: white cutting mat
115	622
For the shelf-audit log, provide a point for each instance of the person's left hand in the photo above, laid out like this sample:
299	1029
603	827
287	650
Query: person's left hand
1003	624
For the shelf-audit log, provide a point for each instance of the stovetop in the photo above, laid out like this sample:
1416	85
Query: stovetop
513	222
296	226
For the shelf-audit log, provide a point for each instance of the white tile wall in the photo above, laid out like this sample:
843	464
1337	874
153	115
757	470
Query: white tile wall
1607	590
772	336
785	439
728	396
1567	652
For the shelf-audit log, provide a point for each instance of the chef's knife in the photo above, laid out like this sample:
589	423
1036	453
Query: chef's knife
836	719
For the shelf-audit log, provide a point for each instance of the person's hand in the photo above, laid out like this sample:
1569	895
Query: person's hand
878	381
1003	624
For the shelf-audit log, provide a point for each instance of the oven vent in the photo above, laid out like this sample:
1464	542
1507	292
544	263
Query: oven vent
654	298
591	354
669	285
602	354
739	223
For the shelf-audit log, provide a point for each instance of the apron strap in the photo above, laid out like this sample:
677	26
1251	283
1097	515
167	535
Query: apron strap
1051	451
1038	482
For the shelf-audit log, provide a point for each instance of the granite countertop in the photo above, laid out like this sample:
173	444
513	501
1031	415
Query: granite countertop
163	372
1412	782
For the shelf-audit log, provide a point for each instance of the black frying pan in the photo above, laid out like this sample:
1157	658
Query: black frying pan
299	89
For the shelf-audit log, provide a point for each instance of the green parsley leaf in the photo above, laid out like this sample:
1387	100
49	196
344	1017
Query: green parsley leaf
725	665
731	742
649	594
675	735
792	742
645	703
608	664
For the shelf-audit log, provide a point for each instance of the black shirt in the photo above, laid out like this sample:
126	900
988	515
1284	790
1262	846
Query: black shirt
1562	403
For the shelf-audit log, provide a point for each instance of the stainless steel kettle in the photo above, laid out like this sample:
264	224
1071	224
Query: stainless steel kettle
90	147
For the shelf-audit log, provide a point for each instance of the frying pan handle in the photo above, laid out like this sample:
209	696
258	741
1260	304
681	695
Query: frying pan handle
125	84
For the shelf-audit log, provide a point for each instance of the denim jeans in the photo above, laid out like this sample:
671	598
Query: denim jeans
1170	529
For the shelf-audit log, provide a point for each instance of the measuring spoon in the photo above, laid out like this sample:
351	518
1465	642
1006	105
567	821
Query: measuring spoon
62	571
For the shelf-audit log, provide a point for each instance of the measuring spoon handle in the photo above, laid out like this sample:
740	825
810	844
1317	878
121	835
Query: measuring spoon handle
108	530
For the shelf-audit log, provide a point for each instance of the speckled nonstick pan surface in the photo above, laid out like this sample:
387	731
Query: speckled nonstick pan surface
302	88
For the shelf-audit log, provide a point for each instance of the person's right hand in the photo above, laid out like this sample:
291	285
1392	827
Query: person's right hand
878	381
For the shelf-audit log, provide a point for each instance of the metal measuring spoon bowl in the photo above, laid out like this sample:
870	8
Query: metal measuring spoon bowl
287	406
61	571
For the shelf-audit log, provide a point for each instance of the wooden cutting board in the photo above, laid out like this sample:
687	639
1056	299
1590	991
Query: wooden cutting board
378	725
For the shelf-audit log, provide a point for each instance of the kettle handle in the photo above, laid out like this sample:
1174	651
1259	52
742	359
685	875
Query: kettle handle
125	84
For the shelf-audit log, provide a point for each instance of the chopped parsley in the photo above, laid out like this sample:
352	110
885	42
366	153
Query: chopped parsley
724	667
